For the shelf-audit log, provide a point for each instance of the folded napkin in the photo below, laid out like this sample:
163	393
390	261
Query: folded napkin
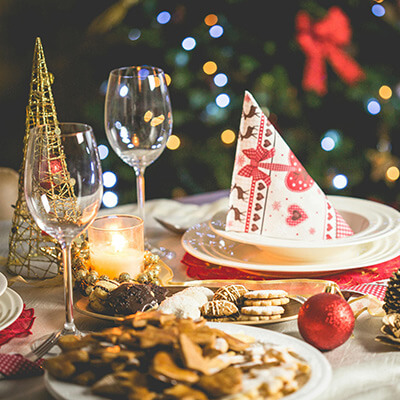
363	280
19	328
15	366
271	192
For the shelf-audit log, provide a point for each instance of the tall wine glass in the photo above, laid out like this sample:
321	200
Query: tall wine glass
63	190
138	120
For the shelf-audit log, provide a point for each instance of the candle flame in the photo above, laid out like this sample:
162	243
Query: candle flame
118	242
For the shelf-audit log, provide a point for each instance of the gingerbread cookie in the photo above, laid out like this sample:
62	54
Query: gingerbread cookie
232	293
218	309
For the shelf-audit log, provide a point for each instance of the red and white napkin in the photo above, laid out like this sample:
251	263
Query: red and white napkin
271	193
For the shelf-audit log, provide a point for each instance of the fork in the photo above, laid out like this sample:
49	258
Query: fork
41	350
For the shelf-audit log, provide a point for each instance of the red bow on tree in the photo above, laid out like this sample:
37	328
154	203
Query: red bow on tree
325	40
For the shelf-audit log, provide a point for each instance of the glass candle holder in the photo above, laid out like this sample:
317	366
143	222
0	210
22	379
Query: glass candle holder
116	244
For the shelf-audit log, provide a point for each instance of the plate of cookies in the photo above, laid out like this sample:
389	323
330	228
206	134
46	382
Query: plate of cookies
240	302
160	356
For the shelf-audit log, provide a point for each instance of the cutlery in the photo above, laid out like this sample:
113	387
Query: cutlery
176	228
41	350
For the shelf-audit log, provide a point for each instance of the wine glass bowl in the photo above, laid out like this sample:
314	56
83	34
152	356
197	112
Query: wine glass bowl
63	189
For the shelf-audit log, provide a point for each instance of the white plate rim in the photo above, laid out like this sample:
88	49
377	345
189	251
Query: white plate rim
340	203
321	370
3	283
11	295
318	267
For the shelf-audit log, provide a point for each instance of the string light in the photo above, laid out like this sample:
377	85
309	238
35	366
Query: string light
340	181
385	92
163	17
392	173
222	100
210	19
373	106
109	179
110	199
220	80
210	67
228	136
188	43
173	142
103	151
216	31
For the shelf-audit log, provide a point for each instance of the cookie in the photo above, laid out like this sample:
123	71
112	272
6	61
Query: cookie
103	288
280	301
265	294
262	310
218	308
232	293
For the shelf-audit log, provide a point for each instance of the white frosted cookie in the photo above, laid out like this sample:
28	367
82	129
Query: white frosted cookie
200	294
181	306
243	317
265	294
218	308
280	301
262	310
232	293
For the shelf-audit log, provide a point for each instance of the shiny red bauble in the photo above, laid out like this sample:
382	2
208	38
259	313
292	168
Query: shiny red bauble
326	321
48	171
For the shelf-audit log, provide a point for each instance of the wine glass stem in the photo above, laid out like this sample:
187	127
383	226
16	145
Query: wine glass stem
139	171
69	325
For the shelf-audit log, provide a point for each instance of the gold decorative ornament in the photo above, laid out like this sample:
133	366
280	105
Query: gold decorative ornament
33	253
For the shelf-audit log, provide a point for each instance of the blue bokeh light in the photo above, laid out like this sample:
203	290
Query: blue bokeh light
134	34
110	199
189	43
373	106
109	179
222	100
103	151
220	80
181	59
327	143
216	31
163	17
340	181
378	10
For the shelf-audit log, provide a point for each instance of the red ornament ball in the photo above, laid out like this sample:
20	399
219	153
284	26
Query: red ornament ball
326	321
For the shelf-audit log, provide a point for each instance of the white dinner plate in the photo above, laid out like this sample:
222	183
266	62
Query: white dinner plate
203	243
3	283
321	372
369	220
11	306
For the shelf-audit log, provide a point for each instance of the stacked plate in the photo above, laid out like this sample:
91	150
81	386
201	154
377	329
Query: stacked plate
376	239
11	304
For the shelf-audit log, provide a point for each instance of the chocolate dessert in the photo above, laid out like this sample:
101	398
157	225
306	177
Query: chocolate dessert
129	298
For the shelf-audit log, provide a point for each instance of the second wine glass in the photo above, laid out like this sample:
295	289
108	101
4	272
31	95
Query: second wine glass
138	119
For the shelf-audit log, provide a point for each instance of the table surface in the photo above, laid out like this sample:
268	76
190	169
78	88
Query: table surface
362	367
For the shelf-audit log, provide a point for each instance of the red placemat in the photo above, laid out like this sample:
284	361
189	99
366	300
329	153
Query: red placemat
199	269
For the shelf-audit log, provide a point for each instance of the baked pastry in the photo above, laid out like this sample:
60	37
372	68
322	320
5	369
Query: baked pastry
98	296
216	309
232	293
130	298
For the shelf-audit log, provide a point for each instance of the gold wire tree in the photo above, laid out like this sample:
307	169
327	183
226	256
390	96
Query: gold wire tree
32	253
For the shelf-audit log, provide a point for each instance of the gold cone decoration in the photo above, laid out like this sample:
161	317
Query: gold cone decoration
32	253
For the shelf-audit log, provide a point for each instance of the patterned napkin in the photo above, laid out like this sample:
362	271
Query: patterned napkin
271	193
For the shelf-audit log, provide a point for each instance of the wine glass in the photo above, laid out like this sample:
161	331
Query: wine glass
63	190
138	122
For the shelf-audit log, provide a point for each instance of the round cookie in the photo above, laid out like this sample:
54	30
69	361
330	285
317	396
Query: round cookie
232	293
280	301
243	317
262	310
265	294
218	308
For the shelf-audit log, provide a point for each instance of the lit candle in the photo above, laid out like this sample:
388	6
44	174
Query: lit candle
117	245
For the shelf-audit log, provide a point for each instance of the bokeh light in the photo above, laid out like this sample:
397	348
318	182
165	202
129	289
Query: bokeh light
181	59
327	143
373	106
173	142
163	17
134	34
228	136
340	181
188	43
123	91
210	67
210	19
385	92
222	100
110	199
109	179
103	151
167	79
378	10
392	173
216	31
220	80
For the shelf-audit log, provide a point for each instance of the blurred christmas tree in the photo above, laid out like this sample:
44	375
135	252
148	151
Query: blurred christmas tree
341	121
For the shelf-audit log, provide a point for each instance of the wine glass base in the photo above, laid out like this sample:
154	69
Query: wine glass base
162	252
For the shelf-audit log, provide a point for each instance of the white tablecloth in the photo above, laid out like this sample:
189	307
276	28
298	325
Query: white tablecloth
362	367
